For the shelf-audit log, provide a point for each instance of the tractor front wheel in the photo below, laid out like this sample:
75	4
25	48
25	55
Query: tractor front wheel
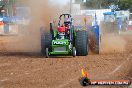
47	53
74	52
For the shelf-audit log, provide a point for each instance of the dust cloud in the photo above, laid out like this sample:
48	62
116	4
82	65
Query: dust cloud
28	39
112	43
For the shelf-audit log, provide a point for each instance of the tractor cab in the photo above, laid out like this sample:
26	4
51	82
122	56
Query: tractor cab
109	22
64	26
109	16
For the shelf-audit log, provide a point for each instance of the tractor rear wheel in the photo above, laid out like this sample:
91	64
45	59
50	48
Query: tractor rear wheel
81	43
46	39
42	40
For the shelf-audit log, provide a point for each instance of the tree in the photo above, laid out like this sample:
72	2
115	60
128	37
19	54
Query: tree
125	5
98	4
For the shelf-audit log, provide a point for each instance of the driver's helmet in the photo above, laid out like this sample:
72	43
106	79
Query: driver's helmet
67	20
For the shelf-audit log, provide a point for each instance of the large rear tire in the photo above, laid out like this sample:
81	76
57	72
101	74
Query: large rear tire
81	43
46	39
42	41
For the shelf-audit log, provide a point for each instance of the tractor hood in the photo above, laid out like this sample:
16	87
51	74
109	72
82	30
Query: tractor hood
60	47
60	42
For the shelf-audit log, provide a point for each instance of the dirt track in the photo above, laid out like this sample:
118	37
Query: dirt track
34	71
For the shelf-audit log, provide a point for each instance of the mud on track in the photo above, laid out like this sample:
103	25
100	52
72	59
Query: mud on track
29	70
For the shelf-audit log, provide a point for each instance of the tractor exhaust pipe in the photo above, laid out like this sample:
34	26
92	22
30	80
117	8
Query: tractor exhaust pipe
51	28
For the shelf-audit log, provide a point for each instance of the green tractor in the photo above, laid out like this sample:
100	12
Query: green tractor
65	40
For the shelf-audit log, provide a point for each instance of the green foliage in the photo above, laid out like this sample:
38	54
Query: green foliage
98	4
125	5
